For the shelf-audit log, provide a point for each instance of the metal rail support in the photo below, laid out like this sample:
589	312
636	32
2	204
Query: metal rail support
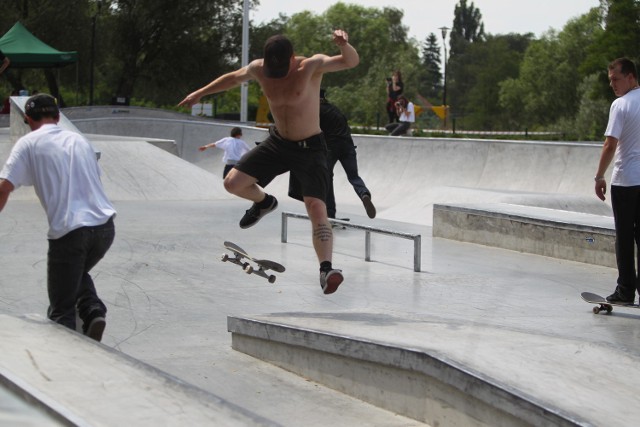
417	239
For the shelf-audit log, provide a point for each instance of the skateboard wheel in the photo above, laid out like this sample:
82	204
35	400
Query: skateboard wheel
609	310
272	279
225	258
596	310
248	269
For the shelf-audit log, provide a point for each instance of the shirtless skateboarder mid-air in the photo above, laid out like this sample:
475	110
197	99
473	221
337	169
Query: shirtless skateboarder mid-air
291	84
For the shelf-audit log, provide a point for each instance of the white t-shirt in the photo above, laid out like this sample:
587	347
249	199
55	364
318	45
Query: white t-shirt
408	115
624	125
62	167
234	149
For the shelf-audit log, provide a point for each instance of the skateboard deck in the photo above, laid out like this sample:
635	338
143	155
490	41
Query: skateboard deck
241	258
601	303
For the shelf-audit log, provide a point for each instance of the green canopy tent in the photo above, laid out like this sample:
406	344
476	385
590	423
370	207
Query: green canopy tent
27	51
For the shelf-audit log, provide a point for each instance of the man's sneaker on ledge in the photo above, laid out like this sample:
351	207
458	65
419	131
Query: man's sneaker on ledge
95	328
255	212
330	280
616	298
368	206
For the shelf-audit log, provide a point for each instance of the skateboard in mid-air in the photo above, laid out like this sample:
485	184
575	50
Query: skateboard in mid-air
601	303
241	258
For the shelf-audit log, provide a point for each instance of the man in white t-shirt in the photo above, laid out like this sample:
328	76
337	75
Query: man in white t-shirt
234	148
622	143
62	167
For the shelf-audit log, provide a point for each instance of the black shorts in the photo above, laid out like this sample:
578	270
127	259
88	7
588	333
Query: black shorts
306	160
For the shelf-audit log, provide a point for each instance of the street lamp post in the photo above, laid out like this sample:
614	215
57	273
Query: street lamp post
94	18
244	87
444	31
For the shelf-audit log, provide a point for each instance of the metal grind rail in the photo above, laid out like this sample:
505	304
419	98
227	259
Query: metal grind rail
417	239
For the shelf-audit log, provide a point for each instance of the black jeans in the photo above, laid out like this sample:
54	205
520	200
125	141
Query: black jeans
345	153
396	129
69	284
626	213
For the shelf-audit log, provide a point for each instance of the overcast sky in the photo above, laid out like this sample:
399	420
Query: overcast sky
427	16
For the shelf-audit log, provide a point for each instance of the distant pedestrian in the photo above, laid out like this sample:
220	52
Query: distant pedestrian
234	148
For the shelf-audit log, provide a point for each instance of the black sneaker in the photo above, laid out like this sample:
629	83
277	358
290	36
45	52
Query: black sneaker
95	328
368	206
330	280
254	213
616	298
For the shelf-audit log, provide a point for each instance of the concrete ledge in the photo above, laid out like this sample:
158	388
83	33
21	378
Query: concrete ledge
407	380
554	233
80	382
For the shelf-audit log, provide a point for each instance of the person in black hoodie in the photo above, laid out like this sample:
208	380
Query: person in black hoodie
340	146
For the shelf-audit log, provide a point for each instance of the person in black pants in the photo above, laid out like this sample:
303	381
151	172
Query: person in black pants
62	167
622	146
340	147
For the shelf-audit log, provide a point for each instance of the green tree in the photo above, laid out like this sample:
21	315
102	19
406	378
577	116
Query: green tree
621	19
165	48
491	62
430	79
591	120
546	89
467	29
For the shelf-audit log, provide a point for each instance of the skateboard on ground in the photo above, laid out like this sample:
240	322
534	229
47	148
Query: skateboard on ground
602	303
241	258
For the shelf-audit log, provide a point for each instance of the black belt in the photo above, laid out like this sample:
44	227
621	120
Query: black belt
305	143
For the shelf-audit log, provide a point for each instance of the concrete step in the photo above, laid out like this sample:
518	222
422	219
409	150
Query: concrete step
76	381
554	233
402	377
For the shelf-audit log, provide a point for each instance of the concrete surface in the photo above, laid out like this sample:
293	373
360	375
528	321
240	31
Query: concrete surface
82	383
575	236
516	318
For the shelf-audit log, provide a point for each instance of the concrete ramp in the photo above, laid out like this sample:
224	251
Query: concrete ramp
133	169
407	176
95	385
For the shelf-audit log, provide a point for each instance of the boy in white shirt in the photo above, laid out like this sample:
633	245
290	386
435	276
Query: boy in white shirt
234	148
